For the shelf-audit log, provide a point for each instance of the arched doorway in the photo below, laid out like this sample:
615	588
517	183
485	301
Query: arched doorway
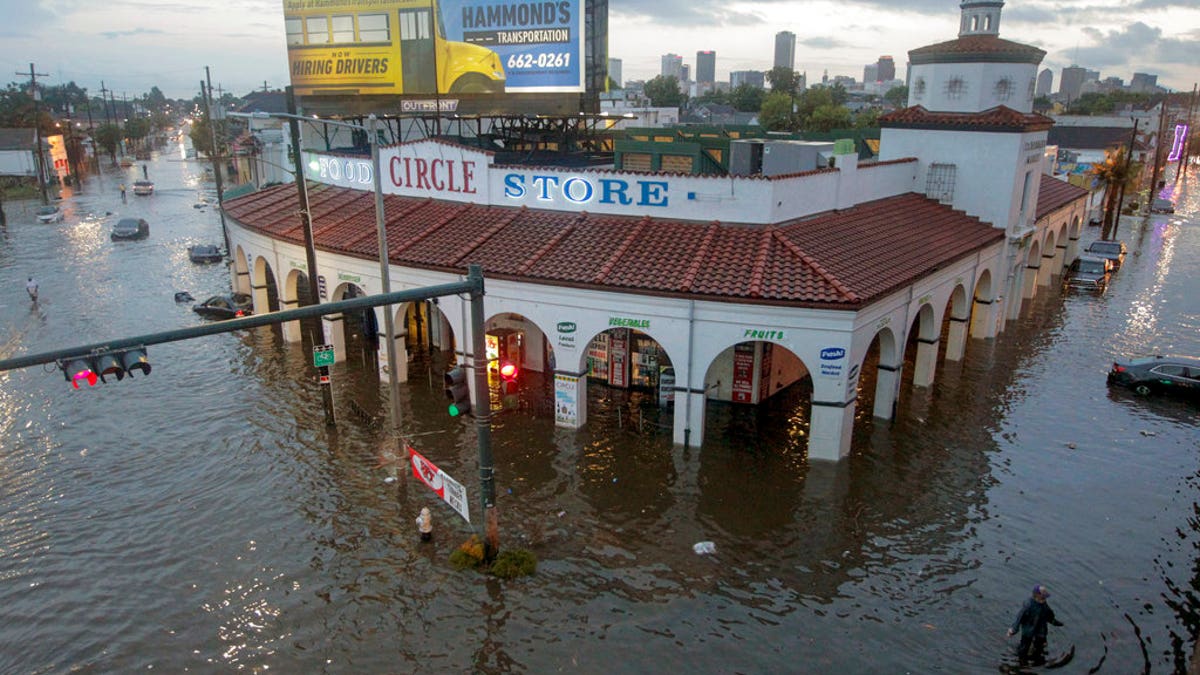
956	317
983	319
355	333
759	395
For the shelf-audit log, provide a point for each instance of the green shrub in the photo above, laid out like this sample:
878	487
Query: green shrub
468	555
512	563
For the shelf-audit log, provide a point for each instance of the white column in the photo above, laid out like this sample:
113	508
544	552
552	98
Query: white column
291	329
956	341
1048	270
261	305
241	281
830	430
334	335
689	417
1060	260
1028	286
1072	250
570	399
887	390
983	318
925	368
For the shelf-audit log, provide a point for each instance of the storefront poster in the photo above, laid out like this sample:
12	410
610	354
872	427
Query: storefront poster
566	410
743	373
618	356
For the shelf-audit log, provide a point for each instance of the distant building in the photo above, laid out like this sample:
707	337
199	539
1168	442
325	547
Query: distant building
785	49
614	71
685	73
706	67
672	66
1045	82
754	78
1143	83
871	72
17	156
885	69
1071	82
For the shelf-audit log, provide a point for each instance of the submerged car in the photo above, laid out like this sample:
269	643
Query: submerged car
1111	249
230	306
204	253
1089	273
1158	375
49	214
1160	205
143	187
130	228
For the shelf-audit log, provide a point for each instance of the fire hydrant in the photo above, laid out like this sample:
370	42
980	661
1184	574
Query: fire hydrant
425	524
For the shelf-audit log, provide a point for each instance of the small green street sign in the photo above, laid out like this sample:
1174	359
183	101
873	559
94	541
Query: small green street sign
322	356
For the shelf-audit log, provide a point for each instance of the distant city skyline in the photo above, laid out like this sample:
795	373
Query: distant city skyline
132	45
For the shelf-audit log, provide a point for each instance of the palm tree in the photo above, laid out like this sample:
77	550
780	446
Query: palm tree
1115	172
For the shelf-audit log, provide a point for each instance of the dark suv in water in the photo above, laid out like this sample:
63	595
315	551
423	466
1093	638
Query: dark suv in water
1158	374
1113	250
1089	273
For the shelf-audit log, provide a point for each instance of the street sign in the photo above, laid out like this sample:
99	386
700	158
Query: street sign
451	491
324	379
322	356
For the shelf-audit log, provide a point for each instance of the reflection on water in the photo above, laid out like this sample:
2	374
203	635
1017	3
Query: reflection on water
205	518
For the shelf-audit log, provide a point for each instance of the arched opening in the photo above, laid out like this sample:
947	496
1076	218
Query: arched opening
1045	275
879	378
921	347
759	396
241	272
359	331
955	318
631	381
512	339
1074	232
263	288
297	293
429	339
1033	265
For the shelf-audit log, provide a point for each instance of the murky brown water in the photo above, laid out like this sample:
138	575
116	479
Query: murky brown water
205	519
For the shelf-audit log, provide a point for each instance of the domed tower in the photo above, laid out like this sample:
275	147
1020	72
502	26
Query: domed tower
971	125
977	71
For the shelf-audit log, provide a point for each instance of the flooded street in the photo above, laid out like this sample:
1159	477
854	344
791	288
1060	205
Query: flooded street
204	518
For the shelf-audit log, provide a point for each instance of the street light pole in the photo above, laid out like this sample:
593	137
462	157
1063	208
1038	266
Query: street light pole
389	327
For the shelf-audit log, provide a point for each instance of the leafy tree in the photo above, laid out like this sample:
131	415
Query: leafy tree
827	117
202	138
1115	172
712	97
154	100
137	128
867	118
776	112
747	98
784	79
108	136
663	92
897	96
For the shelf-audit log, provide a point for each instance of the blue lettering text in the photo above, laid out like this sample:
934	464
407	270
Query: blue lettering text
514	186
586	188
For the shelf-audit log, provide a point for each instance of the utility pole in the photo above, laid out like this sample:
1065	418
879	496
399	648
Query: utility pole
482	409
1158	150
37	130
212	127
104	100
310	248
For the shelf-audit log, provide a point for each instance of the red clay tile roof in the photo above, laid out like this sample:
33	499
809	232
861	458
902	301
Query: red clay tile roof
976	48
1053	194
999	118
837	260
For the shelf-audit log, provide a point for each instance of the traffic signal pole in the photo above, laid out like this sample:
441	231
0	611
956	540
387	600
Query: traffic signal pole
483	418
473	282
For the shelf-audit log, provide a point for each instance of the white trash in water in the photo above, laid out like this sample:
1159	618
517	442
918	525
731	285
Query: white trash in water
704	548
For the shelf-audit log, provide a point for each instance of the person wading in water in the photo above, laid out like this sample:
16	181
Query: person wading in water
1032	620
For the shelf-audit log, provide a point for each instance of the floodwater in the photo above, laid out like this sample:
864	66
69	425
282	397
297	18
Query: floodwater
205	519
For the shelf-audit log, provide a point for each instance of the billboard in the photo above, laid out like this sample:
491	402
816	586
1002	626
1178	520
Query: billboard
435	47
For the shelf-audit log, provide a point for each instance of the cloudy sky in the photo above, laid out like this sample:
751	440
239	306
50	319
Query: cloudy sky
131	45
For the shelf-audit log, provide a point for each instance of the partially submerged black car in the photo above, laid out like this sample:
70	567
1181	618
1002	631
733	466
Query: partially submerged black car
130	228
1158	375
1088	273
204	253
229	306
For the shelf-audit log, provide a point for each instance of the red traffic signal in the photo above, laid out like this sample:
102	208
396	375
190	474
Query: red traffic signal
509	371
98	366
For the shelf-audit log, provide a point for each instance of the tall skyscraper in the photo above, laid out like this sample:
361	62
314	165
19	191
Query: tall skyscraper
1071	81
685	73
706	67
871	73
671	66
1045	82
614	71
885	69
785	49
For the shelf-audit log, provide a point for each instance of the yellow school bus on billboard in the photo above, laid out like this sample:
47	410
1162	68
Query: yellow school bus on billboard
382	47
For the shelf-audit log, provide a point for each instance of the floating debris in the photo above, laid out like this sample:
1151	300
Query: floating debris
704	548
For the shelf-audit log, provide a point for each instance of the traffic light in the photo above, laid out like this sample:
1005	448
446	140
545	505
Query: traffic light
97	366
457	391
508	385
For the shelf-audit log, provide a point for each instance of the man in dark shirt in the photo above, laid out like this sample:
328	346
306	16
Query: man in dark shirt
1032	622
